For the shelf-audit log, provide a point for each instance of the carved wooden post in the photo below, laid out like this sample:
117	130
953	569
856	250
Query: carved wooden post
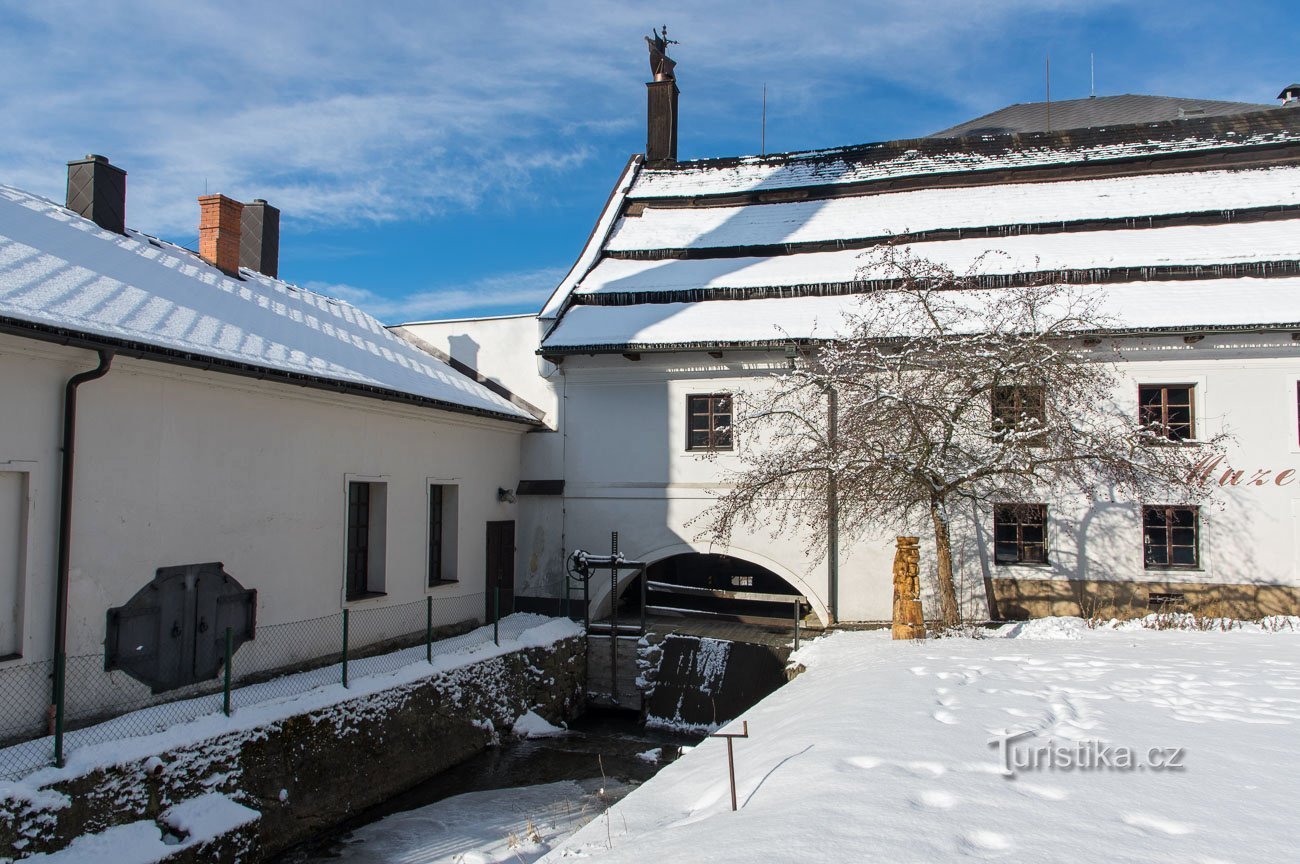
909	622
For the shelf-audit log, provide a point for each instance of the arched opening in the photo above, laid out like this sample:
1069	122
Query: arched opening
711	585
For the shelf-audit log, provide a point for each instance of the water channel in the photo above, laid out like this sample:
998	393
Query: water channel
509	803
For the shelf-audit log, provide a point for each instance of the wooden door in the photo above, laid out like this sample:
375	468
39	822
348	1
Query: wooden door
500	568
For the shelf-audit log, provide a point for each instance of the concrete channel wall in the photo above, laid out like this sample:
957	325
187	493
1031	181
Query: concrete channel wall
309	771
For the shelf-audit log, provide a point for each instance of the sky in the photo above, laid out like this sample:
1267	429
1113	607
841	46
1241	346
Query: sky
448	159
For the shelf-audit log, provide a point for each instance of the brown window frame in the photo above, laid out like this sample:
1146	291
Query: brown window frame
711	413
1013	515
1168	546
1008	404
1163	429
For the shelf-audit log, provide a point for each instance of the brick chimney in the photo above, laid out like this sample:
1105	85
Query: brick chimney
1290	95
219	229
97	190
661	102
259	238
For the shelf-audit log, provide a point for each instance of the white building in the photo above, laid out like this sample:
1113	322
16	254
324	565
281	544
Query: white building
325	462
700	276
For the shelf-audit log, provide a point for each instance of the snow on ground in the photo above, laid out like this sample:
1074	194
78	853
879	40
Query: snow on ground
500	825
196	821
533	725
881	751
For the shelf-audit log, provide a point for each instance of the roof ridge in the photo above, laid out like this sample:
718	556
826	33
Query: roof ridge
1063	136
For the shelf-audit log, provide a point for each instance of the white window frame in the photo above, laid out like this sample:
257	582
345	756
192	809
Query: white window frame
27	470
450	531
377	541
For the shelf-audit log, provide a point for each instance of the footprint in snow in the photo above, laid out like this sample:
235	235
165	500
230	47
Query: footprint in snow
1047	793
1157	825
986	841
867	762
920	769
946	717
934	799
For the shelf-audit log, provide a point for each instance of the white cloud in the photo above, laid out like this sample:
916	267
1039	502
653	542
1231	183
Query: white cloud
500	293
345	112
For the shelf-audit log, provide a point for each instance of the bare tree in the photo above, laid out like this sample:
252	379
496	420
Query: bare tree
937	391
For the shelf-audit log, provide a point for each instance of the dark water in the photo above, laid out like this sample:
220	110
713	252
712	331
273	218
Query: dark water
600	744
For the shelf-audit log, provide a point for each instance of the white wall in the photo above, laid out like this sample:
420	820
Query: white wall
177	466
627	469
503	349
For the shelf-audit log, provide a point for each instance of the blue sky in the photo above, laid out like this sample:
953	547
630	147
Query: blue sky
442	159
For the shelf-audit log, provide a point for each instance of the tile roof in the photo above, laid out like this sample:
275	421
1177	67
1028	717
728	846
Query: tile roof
1092	112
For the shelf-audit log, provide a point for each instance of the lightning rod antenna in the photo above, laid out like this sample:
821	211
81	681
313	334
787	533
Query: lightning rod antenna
1049	91
762	135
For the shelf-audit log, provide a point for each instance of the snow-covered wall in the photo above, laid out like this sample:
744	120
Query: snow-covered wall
307	764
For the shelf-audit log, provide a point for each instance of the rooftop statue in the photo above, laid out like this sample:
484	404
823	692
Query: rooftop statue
661	65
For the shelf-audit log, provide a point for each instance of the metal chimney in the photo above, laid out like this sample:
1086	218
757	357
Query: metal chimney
97	191
259	238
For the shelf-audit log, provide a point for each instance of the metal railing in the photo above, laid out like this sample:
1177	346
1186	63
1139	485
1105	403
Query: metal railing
282	660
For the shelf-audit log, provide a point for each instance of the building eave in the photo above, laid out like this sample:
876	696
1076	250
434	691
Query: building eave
144	351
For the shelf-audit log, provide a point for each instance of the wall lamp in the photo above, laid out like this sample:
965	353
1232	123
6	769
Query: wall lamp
505	496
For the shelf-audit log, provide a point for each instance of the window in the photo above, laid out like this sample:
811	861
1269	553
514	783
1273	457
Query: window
13	545
1019	407
1171	537
708	422
1020	533
1167	410
366	526
442	533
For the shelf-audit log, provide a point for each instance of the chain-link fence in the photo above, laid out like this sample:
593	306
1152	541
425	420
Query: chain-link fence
282	660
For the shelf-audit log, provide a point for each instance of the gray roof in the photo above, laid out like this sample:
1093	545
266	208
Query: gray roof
1093	112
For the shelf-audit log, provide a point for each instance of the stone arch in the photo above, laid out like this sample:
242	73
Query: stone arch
600	593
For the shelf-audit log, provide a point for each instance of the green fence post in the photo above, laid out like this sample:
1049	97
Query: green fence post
496	614
428	629
230	641
60	670
345	647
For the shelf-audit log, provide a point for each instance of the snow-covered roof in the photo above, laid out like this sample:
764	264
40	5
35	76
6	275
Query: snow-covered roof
1130	306
1182	224
1188	246
60	272
897	160
928	210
